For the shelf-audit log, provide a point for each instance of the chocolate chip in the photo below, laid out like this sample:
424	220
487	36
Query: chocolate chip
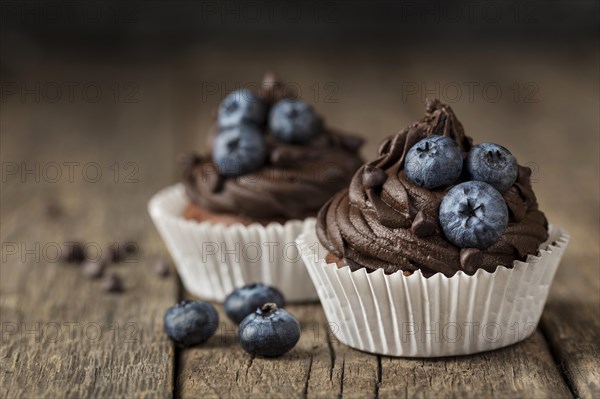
423	226
72	252
93	268
115	253
471	259
53	210
161	267
112	283
118	252
130	248
373	176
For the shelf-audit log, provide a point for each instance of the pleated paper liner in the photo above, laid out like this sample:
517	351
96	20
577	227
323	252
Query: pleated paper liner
214	259
414	316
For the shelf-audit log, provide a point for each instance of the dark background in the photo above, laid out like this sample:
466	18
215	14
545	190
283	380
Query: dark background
155	28
119	23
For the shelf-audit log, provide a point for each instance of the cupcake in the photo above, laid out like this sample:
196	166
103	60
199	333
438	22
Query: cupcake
233	220
437	247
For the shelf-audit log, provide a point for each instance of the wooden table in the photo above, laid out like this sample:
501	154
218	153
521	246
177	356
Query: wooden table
63	337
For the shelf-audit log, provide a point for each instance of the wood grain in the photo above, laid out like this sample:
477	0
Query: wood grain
523	370
571	322
63	337
173	111
320	367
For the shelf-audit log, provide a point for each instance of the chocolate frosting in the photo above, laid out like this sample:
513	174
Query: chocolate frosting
295	181
384	221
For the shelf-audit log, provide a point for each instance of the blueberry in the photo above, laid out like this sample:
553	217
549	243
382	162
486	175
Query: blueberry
190	323
241	106
238	150
245	300
473	214
293	121
269	331
433	162
493	164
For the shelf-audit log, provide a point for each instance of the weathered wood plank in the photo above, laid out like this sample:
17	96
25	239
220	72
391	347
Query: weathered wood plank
318	367
62	336
523	370
221	368
571	322
573	332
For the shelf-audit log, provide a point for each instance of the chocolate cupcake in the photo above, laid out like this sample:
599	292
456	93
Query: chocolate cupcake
273	164
438	233
294	173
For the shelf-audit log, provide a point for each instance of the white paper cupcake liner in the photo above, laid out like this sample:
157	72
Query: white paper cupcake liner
214	259
414	316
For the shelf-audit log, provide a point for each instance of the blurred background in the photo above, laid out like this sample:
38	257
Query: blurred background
99	98
105	81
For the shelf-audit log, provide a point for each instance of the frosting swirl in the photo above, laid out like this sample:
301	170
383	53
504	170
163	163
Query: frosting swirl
385	221
295	181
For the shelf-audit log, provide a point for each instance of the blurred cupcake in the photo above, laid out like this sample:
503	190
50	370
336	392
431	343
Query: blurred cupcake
233	221
437	248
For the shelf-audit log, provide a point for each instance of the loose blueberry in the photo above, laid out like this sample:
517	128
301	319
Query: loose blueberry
245	300
293	121
473	214
190	323
241	106
269	331
493	164
433	162
238	150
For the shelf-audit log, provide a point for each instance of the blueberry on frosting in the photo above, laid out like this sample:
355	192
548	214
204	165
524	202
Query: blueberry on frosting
241	106
493	164
239	150
434	162
293	121
473	214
